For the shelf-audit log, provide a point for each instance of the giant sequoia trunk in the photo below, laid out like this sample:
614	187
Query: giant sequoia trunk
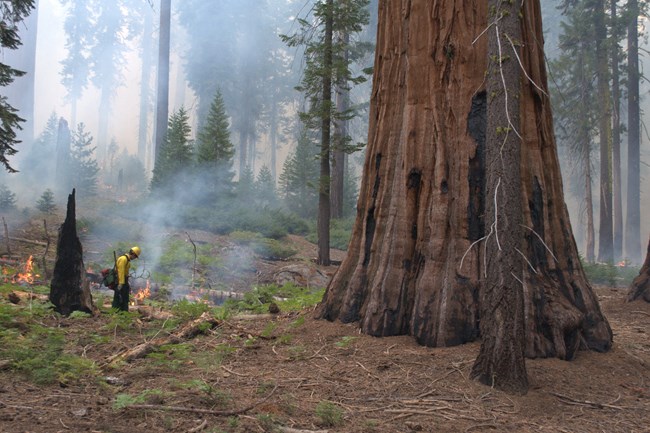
69	289
416	258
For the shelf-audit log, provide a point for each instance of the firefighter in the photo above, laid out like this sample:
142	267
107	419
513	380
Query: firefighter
123	291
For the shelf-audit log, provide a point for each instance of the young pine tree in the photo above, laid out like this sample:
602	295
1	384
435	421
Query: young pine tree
215	152
265	187
45	203
83	165
176	152
7	199
299	179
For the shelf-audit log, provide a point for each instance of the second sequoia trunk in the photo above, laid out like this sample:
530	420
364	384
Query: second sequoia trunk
416	256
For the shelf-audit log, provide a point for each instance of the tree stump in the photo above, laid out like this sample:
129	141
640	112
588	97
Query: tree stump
640	287
69	289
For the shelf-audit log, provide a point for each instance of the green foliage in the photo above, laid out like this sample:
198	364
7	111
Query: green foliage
329	414
175	156
288	297
265	194
345	342
125	400
609	274
45	203
83	167
186	310
299	179
340	232
268	248
76	315
215	152
12	14
212	395
37	351
172	356
7	199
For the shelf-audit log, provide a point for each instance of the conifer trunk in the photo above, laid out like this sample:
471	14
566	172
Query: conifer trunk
500	362
416	258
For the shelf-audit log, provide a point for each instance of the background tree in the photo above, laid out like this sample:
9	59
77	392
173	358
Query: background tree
325	66
265	187
45	203
633	214
21	93
215	152
605	231
415	258
616	35
299	179
575	111
11	15
162	83
7	199
176	155
83	165
75	70
107	60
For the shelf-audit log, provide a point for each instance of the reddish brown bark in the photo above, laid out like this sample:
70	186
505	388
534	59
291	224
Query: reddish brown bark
640	287
415	260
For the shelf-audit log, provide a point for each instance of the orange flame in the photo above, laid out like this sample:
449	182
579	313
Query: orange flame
142	294
27	276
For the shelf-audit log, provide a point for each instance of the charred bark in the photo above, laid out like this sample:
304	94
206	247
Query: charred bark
640	287
69	289
415	258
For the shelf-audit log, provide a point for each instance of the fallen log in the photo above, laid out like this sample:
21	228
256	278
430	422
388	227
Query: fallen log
26	241
188	331
148	312
16	296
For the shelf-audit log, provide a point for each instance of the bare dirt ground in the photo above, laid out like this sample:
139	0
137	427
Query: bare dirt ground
291	373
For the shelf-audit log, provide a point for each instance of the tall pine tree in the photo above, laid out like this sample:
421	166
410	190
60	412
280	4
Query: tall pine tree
11	14
215	151
176	153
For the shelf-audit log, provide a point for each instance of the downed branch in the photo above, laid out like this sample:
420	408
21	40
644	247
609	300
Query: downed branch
148	312
16	296
293	430
198	410
189	330
568	400
26	241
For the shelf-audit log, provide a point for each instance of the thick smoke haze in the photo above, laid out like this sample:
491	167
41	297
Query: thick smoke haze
229	45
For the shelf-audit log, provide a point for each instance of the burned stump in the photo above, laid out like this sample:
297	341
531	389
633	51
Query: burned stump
640	287
69	289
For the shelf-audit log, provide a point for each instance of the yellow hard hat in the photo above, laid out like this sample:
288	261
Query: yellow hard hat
136	251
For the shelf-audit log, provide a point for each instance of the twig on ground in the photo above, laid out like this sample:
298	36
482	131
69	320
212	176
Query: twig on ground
198	410
569	400
234	372
199	427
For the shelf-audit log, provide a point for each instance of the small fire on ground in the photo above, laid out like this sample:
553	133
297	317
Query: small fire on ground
26	276
141	294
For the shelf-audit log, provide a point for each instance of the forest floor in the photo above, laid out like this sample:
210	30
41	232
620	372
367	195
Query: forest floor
291	373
